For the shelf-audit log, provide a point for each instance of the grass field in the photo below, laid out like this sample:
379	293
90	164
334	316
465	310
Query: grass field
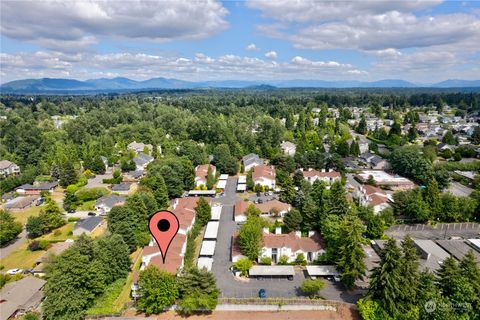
22	215
21	258
86	206
25	259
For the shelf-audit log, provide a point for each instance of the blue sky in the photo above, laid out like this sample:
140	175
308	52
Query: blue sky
416	40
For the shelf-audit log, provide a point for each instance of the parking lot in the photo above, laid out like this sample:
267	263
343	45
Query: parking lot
439	231
246	288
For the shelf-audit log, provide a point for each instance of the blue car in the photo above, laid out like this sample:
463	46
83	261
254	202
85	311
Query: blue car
262	293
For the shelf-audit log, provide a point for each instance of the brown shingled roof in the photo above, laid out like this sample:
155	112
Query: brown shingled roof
173	260
201	171
273	204
291	240
240	207
316	173
263	171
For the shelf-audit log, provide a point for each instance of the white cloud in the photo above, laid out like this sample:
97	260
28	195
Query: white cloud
144	66
252	47
61	25
271	55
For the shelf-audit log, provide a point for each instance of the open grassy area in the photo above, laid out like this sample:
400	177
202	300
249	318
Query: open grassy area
65	233
21	258
22	215
86	206
118	293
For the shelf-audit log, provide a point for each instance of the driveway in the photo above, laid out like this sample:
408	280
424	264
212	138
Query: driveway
97	181
13	245
245	288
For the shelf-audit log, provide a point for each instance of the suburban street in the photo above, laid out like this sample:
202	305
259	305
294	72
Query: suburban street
231	286
14	245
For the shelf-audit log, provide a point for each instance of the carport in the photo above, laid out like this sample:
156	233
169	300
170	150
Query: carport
261	272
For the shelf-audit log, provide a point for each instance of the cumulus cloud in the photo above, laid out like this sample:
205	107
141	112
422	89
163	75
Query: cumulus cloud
271	55
144	66
252	47
60	25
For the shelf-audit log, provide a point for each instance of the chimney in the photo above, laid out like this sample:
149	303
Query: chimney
298	234
278	230
311	233
265	230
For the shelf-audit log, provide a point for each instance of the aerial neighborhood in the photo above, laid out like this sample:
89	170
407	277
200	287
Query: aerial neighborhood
346	199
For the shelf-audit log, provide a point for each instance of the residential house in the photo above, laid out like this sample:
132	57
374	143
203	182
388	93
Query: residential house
8	168
239	211
36	188
385	180
264	175
201	173
251	160
184	209
87	225
106	203
20	297
291	245
373	196
329	177
274	208
122	188
142	160
20	203
288	148
139	147
132	176
374	161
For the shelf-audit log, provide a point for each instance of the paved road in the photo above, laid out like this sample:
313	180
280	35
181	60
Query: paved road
230	287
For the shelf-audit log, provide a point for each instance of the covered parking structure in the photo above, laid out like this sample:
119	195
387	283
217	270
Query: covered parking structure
322	271
261	272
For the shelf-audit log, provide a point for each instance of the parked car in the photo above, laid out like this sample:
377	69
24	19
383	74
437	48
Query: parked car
72	211
13	272
92	214
336	278
262	293
260	201
258	194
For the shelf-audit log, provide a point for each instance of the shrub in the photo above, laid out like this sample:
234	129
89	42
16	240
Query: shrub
34	245
91	194
266	261
283	260
243	265
43	244
311	287
300	260
72	219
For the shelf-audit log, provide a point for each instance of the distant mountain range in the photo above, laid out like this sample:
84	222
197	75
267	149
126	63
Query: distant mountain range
46	85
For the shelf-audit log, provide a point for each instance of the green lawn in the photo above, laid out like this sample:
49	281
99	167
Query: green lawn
22	215
21	258
86	206
65	233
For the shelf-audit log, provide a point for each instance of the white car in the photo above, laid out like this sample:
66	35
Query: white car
13	272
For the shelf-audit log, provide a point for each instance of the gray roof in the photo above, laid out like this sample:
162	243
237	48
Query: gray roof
110	201
251	158
21	294
136	174
142	159
271	271
4	164
41	186
121	186
88	224
458	248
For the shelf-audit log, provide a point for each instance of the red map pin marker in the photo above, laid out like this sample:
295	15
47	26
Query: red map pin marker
163	227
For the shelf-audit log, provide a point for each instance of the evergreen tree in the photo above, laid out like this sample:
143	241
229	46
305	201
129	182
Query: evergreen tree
342	148
338	203
70	200
204	211
157	289
68	175
412	134
449	138
409	270
362	125
386	281
198	291
350	260
292	220
161	193
432	198
298	178
210	178
114	257
289	120
354	148
309	214
288	191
